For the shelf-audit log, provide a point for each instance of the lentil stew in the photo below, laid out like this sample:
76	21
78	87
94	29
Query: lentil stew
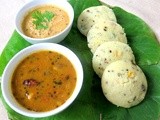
43	81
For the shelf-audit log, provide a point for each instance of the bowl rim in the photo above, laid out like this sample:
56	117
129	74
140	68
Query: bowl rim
20	56
35	3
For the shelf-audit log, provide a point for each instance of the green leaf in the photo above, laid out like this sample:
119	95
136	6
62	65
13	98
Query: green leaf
14	45
140	37
91	103
41	20
48	15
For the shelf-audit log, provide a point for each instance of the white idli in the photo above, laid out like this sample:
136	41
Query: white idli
124	84
105	31
110	52
93	14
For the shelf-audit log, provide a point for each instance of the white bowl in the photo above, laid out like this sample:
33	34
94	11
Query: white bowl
63	4
8	72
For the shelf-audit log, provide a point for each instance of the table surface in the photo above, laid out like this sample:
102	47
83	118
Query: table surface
145	9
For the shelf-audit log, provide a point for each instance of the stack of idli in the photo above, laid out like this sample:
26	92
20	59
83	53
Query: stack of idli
123	82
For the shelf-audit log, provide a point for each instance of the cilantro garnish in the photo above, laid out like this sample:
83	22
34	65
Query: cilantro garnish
41	20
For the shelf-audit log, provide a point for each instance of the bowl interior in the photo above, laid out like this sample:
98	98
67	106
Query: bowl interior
31	5
6	78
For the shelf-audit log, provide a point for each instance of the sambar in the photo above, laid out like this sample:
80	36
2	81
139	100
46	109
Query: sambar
43	81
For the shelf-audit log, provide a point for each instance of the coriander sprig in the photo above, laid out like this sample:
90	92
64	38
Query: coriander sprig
41	20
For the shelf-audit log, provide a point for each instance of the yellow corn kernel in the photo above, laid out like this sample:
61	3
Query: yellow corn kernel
131	74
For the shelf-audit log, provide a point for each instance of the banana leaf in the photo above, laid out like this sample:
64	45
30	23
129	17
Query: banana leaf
91	103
